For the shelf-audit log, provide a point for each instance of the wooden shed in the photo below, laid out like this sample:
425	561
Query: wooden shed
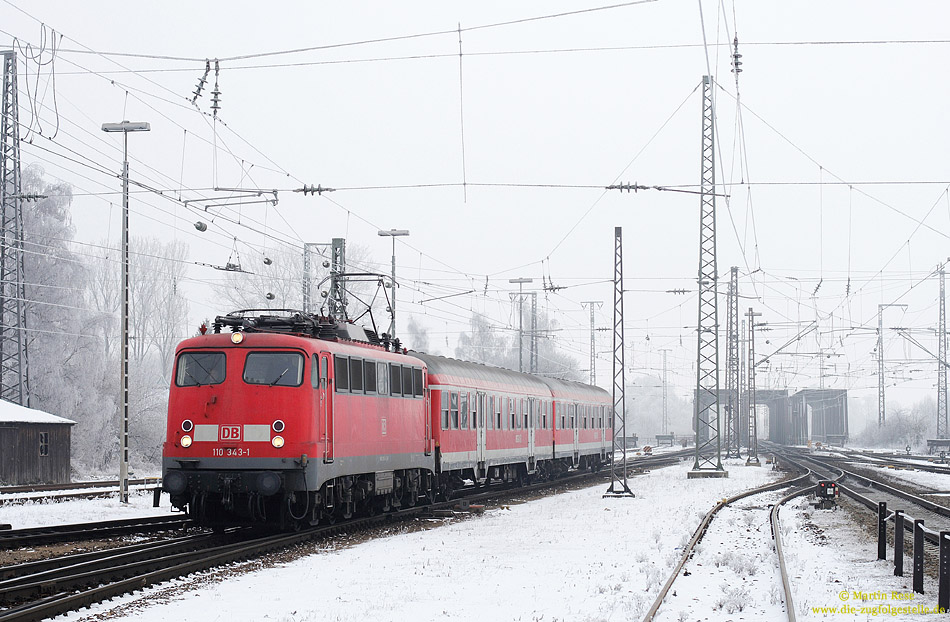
34	446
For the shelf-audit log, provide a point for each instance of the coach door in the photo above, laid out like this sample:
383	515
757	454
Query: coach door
480	435
532	425
575	422
325	411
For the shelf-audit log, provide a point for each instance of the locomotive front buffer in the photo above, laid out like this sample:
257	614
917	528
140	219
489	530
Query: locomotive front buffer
826	495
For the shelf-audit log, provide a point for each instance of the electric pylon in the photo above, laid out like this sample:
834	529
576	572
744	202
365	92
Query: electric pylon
14	359
708	461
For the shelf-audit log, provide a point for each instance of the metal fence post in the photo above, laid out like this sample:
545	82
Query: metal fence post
898	543
882	530
919	556
943	572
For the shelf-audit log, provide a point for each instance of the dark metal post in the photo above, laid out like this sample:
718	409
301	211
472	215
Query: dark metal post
882	530
919	556
943	572
898	543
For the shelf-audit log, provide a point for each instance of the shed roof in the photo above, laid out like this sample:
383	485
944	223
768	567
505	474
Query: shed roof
14	413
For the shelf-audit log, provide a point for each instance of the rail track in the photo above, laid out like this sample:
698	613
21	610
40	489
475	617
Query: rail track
38	590
689	550
76	490
14	538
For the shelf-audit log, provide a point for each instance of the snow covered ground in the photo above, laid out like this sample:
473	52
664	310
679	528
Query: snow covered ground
832	562
933	481
574	556
21	515
733	574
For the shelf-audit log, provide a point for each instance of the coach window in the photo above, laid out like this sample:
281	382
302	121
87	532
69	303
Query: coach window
341	366
499	411
369	376
524	414
395	379
407	381
356	375
561	408
445	410
463	411
572	408
417	388
282	369
491	412
455	410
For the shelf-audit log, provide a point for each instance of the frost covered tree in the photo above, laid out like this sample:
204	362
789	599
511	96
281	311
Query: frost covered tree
67	374
495	345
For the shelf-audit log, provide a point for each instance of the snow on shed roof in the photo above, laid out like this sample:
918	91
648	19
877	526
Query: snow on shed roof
14	413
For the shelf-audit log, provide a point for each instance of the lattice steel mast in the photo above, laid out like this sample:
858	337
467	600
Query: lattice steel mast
732	366
942	362
881	415
337	302
708	461
618	474
593	353
665	423
752	452
14	359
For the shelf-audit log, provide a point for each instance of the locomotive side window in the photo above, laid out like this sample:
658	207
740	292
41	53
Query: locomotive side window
417	382
407	381
463	411
454	405
356	375
281	369
369	376
200	368
341	367
445	410
395	379
382	379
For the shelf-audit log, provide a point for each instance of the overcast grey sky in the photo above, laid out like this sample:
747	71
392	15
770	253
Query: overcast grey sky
839	178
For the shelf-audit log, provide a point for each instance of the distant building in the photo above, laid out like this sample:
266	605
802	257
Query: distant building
34	446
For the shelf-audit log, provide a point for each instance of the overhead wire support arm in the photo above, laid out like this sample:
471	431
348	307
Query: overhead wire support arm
635	187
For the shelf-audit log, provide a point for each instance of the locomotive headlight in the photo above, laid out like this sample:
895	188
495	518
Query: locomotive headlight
277	441
185	441
237	337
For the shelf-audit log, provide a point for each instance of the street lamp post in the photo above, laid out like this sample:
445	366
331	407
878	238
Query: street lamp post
520	282
125	127
393	233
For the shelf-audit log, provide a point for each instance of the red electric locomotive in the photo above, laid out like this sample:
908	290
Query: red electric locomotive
294	419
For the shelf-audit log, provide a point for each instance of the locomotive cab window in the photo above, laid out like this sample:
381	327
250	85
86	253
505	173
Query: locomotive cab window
276	369
200	368
318	371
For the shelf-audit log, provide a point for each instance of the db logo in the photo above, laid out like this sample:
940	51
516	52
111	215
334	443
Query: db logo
230	433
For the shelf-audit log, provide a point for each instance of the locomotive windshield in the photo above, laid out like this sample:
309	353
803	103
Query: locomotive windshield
281	369
199	368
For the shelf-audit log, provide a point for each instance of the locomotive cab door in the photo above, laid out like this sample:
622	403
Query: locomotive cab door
479	421
532	425
325	409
